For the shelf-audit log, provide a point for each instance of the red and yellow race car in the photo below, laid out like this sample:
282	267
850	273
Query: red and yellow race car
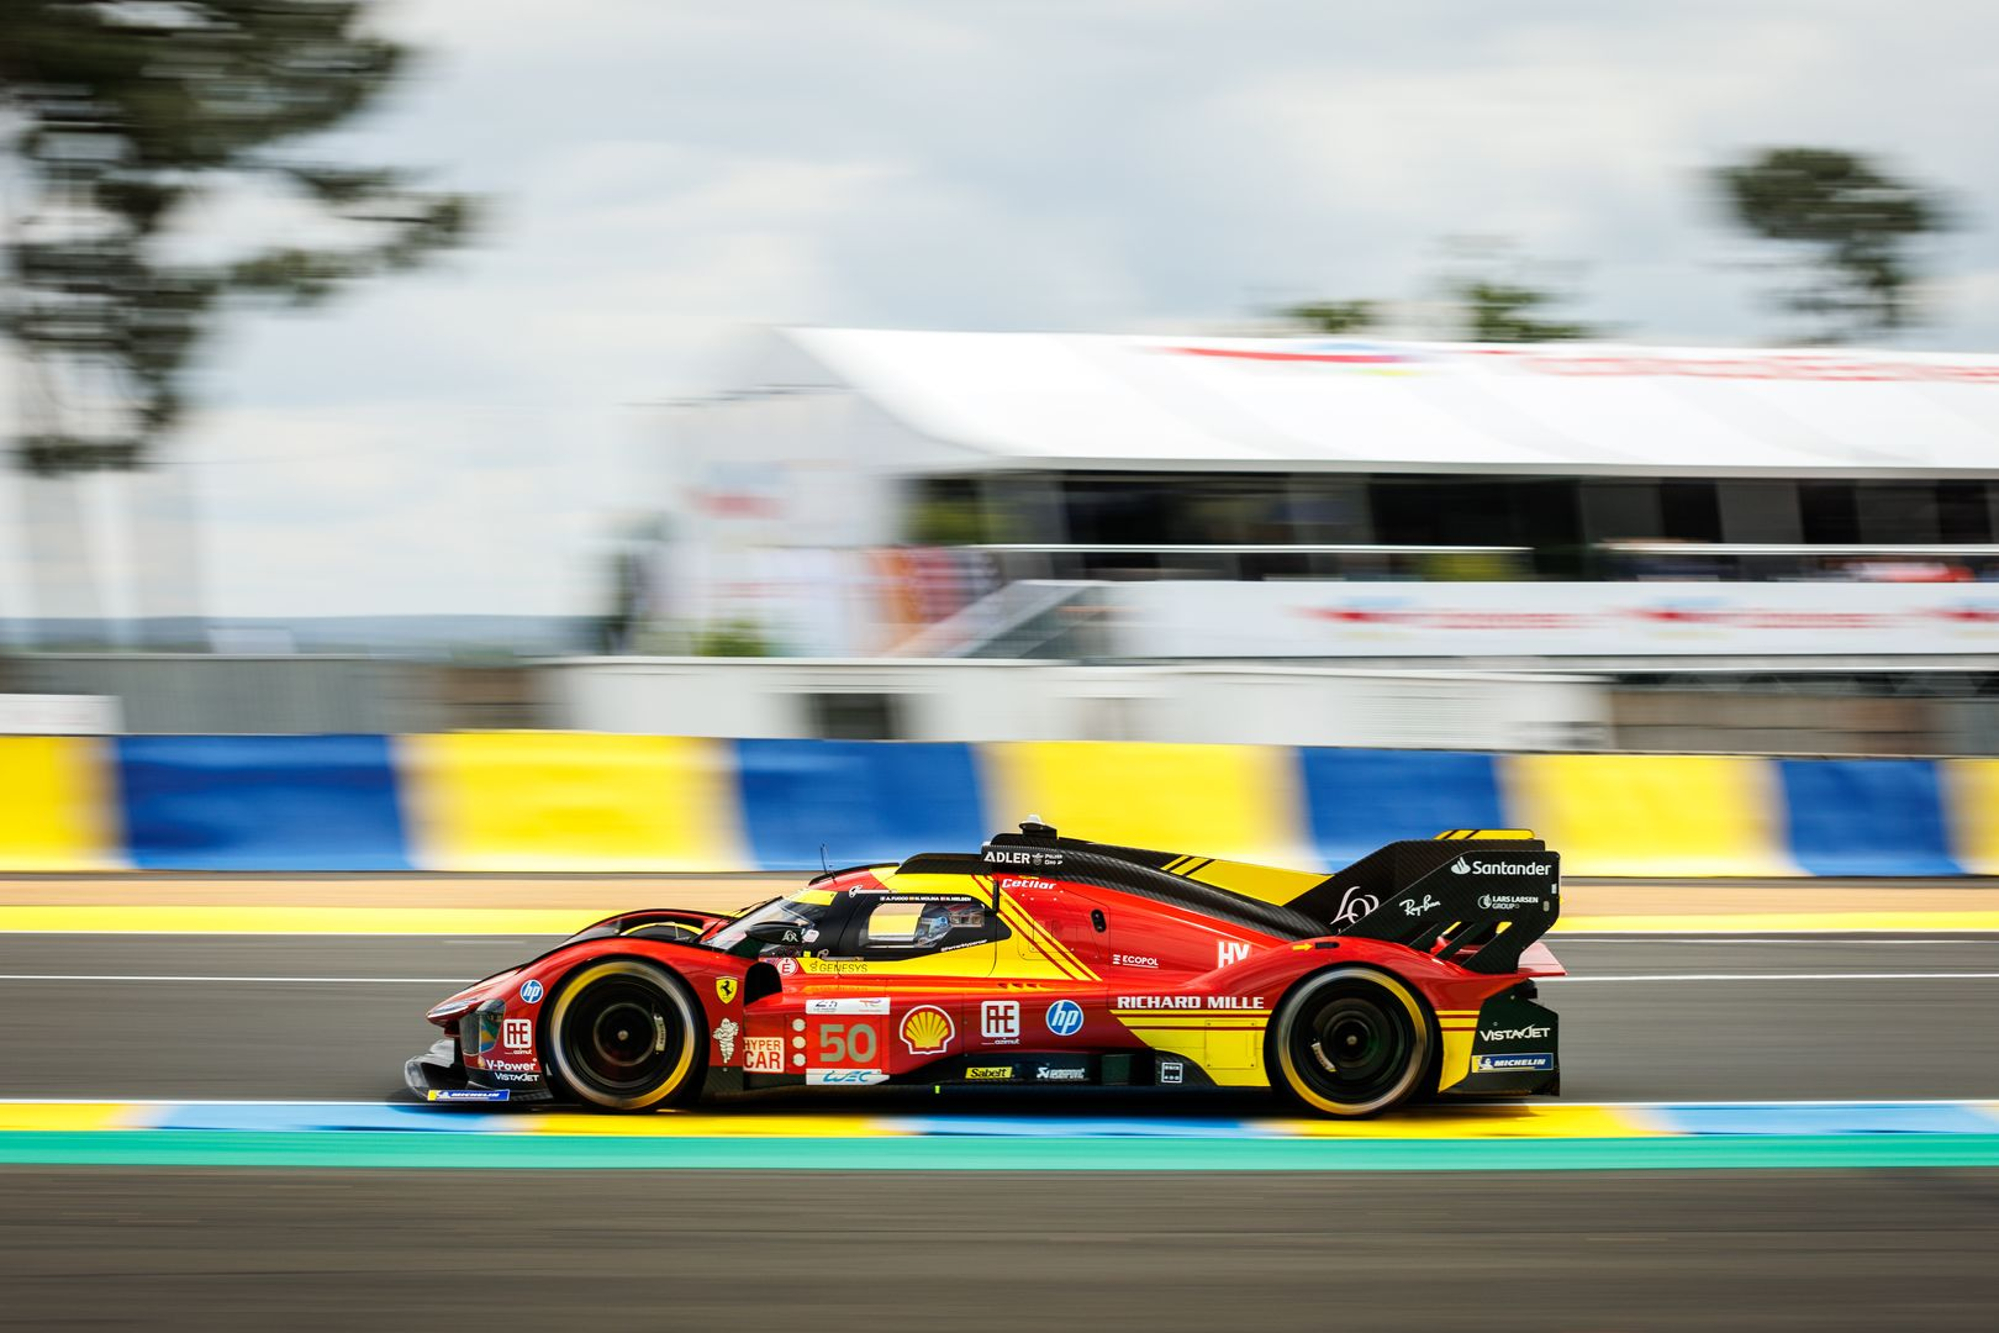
1045	960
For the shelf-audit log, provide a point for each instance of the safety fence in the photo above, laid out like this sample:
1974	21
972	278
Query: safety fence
587	802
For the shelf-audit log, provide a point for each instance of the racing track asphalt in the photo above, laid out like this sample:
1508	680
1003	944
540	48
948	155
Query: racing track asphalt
848	1253
1651	1019
1643	1019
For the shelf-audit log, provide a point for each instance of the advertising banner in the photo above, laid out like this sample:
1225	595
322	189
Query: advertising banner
1334	619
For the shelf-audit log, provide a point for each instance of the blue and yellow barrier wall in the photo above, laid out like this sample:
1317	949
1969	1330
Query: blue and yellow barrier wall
579	802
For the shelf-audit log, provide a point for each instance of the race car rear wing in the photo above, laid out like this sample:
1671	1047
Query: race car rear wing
1477	902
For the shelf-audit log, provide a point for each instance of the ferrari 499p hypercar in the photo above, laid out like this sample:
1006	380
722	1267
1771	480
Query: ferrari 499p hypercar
1045	960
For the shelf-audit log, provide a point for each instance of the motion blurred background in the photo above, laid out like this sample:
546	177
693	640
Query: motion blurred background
1545	380
458	455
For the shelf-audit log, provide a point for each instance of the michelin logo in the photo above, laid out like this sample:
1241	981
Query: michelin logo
1462	866
1506	1064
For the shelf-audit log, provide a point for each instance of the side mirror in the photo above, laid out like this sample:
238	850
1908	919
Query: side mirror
776	932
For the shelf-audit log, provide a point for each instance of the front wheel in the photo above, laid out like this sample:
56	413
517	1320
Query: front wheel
1350	1042
625	1035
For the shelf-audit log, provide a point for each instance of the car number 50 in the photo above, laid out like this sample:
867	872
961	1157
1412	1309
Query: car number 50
847	1043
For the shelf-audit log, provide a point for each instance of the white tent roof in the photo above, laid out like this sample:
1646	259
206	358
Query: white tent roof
1072	401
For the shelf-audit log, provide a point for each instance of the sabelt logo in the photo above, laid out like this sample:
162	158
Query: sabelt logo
1473	866
1513	1034
989	1073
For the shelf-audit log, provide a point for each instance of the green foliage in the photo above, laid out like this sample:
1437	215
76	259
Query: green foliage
1333	316
732	638
946	521
125	118
1852	222
1506	312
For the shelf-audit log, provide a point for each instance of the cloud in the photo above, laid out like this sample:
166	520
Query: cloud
663	172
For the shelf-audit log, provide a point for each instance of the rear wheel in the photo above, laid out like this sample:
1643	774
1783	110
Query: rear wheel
1350	1042
625	1035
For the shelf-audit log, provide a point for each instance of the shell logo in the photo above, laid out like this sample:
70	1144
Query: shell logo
927	1030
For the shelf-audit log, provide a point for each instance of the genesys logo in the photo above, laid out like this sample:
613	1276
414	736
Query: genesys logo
1473	866
1513	1034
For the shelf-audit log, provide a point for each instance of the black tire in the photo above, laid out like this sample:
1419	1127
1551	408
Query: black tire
624	1035
1350	1041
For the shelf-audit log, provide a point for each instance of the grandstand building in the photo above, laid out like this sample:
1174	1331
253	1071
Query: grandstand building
1036	456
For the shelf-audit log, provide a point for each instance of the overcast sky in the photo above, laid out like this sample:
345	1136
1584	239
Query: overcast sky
662	171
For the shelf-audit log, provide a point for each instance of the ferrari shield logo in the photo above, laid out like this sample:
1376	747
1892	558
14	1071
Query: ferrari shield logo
725	989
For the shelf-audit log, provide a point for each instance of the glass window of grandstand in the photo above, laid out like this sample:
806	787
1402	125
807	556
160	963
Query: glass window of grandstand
1472	528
